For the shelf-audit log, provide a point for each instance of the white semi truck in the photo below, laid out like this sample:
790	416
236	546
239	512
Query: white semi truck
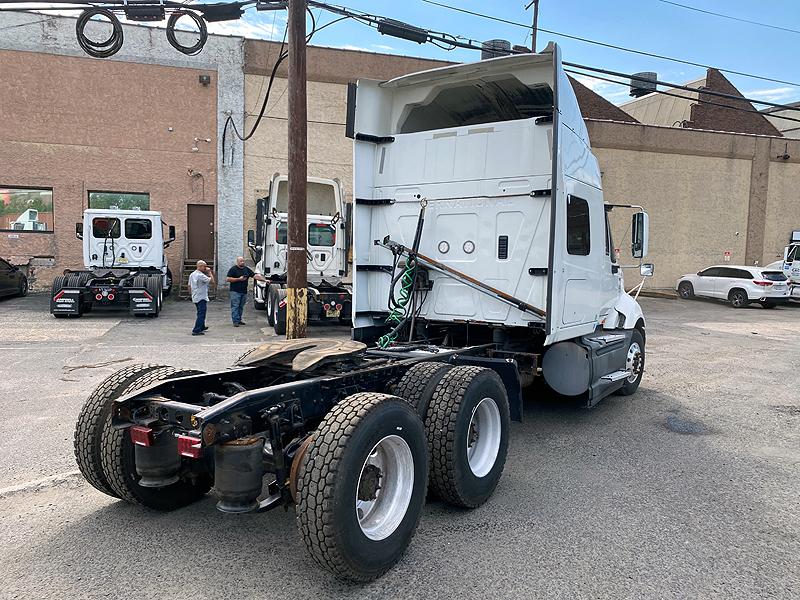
790	265
483	261
125	266
329	294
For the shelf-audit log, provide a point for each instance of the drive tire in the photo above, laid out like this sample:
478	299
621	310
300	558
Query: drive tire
168	281
328	486
119	466
417	385
738	298
94	417
279	312
153	287
629	387
686	290
448	426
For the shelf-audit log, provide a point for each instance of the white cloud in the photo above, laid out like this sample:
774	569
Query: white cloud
777	94
248	29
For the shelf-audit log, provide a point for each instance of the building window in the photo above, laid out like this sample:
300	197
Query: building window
138	229
578	241
119	200
26	209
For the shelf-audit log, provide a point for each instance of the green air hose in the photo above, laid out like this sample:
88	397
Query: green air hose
397	308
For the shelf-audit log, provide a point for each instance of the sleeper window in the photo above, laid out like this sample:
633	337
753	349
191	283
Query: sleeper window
578	239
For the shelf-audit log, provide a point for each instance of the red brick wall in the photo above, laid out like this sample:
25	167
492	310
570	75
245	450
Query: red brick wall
78	124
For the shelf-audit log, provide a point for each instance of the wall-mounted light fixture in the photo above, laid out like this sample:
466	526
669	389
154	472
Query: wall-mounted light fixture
205	80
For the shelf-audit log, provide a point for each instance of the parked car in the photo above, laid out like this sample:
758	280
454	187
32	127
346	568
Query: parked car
13	281
738	285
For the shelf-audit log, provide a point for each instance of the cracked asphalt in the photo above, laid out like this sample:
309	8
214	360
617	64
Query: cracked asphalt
688	489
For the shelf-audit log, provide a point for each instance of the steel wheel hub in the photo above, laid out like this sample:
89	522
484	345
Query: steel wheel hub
385	485
483	437
633	362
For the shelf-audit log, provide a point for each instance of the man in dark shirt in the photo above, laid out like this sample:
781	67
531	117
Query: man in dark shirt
238	275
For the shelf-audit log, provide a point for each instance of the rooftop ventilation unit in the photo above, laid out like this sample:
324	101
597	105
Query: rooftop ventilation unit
495	49
643	83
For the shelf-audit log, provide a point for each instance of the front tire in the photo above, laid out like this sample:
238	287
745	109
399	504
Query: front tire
467	426
635	363
686	290
362	485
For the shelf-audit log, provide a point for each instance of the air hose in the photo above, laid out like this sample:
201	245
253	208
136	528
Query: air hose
398	306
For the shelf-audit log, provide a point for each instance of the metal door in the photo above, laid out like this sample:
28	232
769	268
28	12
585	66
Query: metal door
200	231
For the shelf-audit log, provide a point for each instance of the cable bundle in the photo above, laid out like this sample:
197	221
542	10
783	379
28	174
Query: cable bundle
107	47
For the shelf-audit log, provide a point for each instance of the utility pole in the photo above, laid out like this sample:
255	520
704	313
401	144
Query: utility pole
535	5
297	284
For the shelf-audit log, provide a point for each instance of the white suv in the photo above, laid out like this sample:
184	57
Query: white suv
739	285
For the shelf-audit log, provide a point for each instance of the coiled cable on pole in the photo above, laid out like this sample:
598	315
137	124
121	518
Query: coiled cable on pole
107	47
201	26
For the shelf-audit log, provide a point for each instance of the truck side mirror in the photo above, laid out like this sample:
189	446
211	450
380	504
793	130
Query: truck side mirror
251	238
647	270
786	254
640	225
171	233
79	230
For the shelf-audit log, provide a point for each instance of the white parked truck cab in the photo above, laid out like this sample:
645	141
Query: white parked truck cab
498	155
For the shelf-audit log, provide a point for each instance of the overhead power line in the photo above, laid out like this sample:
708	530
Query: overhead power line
732	18
612	46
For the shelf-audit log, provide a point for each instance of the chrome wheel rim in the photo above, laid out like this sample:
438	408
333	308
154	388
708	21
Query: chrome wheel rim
384	489
633	362
483	437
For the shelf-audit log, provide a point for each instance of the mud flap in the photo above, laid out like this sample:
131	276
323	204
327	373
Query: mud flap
141	302
66	302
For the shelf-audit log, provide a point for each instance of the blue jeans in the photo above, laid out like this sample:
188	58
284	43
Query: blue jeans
238	300
200	322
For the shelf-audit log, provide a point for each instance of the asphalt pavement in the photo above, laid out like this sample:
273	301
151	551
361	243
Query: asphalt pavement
688	489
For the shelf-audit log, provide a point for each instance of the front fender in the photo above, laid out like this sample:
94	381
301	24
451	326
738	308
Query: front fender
629	312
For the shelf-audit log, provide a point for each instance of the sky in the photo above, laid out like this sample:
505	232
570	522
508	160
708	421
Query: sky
650	25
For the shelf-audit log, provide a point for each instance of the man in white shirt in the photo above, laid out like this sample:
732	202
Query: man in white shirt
198	286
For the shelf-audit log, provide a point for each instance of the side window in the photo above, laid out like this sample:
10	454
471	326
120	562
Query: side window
138	229
712	272
609	240
103	227
742	274
282	232
792	256
578	241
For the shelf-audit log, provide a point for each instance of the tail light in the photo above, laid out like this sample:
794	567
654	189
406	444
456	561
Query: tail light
338	307
762	283
98	296
142	436
111	296
58	295
326	306
190	447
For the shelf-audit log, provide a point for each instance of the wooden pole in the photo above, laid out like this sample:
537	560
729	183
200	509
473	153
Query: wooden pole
535	24
297	284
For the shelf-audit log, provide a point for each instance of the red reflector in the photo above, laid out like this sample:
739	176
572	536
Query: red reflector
762	283
111	296
282	303
58	295
148	296
189	446
142	436
98	296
